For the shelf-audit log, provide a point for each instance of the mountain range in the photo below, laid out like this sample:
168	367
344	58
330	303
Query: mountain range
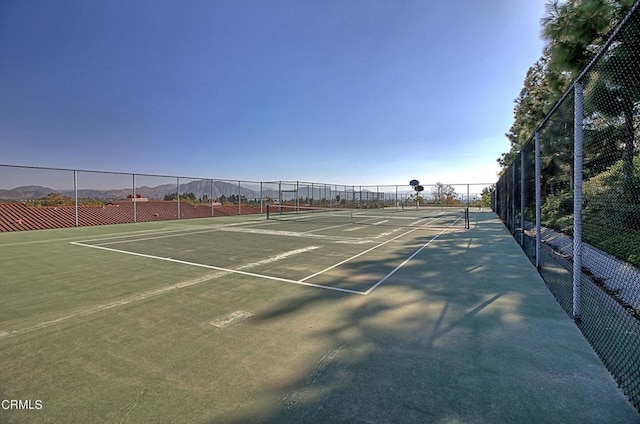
199	188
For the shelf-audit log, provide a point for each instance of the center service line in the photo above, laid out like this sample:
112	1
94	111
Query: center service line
386	277
367	251
358	255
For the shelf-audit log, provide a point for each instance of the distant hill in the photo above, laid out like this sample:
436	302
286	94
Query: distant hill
199	188
24	193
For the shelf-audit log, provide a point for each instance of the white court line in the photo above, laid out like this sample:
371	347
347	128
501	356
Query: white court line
109	236
372	288
228	228
232	271
211	230
130	299
147	294
286	254
388	233
306	234
358	255
354	229
280	256
126	235
182	231
327	228
366	251
386	277
365	215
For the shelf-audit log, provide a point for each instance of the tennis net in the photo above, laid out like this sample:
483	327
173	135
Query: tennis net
422	216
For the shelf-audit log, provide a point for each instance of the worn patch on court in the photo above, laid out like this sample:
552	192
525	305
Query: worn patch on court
321	373
230	319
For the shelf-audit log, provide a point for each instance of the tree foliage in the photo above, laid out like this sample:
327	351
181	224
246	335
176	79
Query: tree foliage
574	31
57	199
579	44
485	197
444	194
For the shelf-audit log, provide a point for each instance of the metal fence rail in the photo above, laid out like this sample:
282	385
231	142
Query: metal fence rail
572	200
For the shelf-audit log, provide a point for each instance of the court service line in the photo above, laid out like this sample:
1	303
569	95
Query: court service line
232	271
327	228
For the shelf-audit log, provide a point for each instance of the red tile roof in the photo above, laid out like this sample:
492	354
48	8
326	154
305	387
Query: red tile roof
18	216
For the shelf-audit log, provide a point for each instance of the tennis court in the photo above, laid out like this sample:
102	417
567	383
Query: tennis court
381	315
313	247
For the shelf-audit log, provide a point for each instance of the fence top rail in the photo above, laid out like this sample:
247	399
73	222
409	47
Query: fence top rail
298	183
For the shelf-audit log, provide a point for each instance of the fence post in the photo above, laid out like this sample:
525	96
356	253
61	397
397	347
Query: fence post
577	198
522	177
239	201
75	193
538	201
178	194
211	199
133	199
261	197
396	199
513	200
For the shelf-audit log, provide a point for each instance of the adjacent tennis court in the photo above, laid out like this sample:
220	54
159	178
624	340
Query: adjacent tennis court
381	315
314	247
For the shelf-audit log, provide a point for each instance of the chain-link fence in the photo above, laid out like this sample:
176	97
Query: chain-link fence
38	198
572	200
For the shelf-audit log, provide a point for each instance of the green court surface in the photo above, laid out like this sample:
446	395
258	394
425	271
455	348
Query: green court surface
393	317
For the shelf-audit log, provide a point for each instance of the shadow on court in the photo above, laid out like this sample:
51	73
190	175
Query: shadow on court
466	332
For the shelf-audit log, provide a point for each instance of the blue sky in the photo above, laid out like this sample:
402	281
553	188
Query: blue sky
332	91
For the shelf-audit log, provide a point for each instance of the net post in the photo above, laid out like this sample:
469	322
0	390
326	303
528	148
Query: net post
268	211
577	199
467	218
